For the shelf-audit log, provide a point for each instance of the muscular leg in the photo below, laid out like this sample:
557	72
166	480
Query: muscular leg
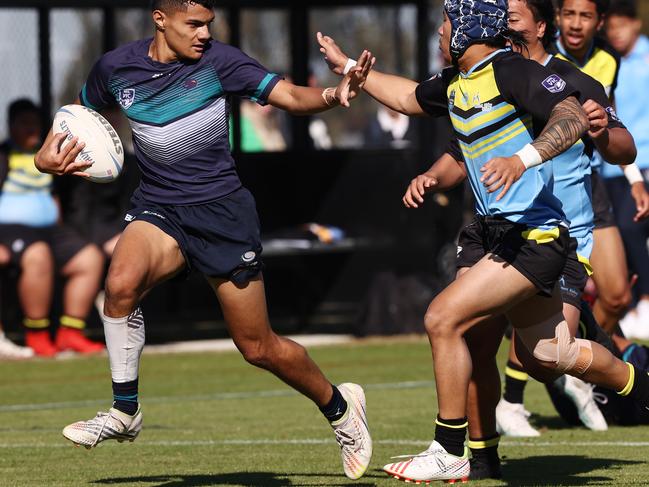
244	308
483	341
605	369
144	257
451	314
611	277
36	282
83	274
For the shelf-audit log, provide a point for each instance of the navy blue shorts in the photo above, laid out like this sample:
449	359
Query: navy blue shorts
219	239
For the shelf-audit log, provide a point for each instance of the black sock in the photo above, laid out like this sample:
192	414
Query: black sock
485	450
515	382
336	408
125	396
451	433
639	387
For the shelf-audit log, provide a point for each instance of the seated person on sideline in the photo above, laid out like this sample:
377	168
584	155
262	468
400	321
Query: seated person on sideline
40	246
8	349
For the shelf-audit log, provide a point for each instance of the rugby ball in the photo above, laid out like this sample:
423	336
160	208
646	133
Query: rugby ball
103	148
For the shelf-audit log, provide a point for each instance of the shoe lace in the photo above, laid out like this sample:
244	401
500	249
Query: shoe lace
101	419
343	438
600	397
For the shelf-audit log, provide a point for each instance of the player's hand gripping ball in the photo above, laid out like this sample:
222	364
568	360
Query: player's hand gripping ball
103	150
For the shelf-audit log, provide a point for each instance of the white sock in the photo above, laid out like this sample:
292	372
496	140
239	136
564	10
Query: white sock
124	341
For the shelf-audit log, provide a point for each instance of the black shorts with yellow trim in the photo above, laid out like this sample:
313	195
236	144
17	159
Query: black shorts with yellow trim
539	255
602	207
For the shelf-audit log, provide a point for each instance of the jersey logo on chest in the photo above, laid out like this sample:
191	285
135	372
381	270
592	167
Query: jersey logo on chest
126	98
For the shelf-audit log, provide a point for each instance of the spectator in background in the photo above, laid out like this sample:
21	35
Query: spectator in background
39	245
389	130
260	128
623	29
8	349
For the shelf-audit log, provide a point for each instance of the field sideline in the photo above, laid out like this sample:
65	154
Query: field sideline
211	419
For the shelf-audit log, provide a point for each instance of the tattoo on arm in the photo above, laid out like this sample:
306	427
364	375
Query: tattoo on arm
567	123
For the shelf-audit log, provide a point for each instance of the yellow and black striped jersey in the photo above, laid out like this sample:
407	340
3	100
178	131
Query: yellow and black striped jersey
602	62
496	108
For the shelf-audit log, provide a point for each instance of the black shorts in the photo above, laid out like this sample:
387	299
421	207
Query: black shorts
64	242
541	263
218	239
602	207
573	279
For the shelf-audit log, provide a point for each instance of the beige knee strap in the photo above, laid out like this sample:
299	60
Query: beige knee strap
569	354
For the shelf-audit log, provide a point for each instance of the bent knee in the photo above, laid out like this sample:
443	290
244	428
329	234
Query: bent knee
441	325
616	301
37	257
123	284
256	353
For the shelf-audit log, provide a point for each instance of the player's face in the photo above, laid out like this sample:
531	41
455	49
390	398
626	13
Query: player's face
26	131
622	32
522	20
187	32
445	39
578	22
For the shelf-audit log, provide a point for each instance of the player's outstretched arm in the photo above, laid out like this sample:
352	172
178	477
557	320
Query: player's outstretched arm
615	144
444	174
395	92
303	100
567	123
57	157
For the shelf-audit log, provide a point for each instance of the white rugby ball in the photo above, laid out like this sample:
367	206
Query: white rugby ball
103	148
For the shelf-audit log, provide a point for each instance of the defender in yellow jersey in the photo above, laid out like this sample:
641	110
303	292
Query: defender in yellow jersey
495	97
579	22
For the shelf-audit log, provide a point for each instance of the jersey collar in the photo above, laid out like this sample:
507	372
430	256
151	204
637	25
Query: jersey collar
572	59
482	63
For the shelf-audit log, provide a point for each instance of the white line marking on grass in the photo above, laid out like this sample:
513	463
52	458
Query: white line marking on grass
318	441
222	396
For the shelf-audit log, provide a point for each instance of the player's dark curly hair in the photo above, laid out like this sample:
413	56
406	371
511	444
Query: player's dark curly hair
170	5
23	105
543	11
624	8
600	5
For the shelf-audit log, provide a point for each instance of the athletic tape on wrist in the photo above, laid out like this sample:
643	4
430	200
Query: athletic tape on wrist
530	156
350	64
329	96
633	174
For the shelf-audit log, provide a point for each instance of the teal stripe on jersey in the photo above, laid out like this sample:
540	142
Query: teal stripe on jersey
262	86
84	99
160	107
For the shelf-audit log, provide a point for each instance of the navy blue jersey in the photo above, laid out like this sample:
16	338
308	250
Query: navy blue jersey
179	114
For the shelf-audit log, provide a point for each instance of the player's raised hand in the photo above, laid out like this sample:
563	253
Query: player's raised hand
501	172
597	118
336	59
417	188
57	157
352	84
641	198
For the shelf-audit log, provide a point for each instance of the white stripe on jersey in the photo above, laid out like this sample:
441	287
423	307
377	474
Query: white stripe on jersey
183	138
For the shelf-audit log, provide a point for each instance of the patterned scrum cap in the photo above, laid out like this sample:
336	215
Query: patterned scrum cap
473	21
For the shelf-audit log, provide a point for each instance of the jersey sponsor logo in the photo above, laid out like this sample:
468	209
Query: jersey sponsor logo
126	98
459	250
613	114
190	83
129	218
554	84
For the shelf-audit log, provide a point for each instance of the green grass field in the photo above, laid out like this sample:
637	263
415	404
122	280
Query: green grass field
211	419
